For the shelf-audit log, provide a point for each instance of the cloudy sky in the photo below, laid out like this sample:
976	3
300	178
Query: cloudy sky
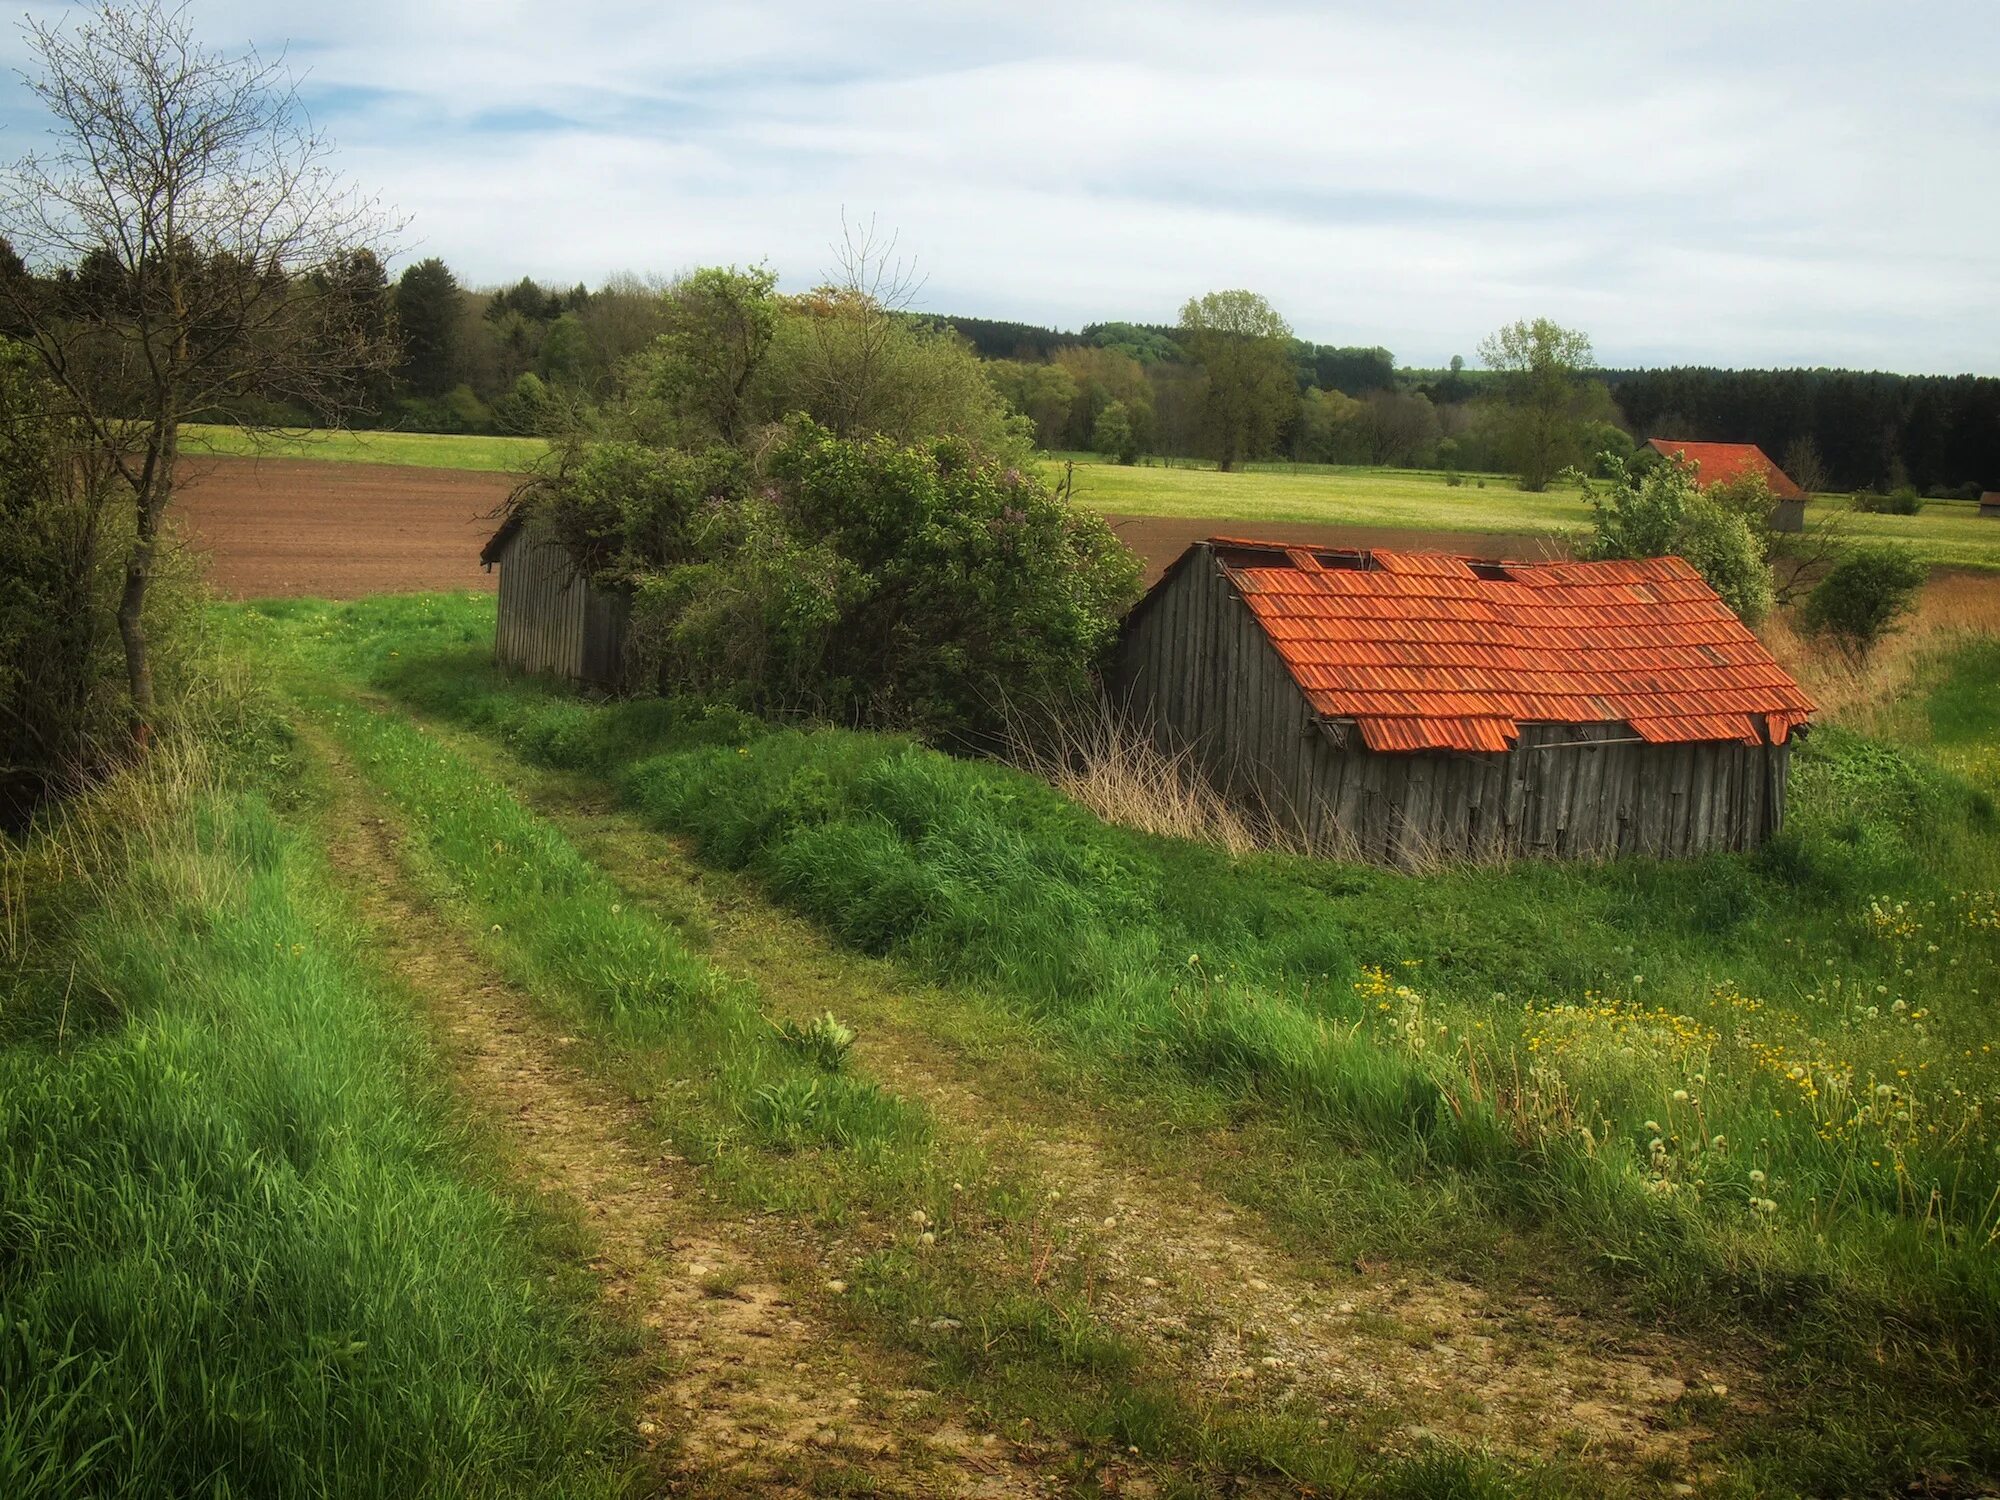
1748	183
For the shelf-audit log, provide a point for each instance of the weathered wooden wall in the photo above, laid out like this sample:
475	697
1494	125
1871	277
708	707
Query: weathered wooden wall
1197	669
551	620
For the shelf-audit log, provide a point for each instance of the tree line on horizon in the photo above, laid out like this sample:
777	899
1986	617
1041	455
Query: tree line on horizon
494	360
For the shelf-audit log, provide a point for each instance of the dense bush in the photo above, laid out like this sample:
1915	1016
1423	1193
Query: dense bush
1902	501
623	509
64	534
924	585
1862	598
1657	510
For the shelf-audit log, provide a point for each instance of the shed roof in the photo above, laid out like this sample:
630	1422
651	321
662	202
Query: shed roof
1718	463
1427	651
490	553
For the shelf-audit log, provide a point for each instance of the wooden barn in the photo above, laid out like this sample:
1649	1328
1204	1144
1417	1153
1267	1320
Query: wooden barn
1989	506
553	621
1718	463
1404	707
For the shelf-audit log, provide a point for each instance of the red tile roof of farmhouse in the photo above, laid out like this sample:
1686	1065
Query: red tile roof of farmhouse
1426	651
1717	463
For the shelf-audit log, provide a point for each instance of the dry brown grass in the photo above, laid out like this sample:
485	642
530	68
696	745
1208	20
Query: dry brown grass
1953	608
1115	769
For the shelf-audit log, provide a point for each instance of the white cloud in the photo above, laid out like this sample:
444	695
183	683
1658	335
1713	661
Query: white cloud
1744	184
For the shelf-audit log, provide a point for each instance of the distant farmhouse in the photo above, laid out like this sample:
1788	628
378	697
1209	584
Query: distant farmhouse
1989	505
1718	463
1404	707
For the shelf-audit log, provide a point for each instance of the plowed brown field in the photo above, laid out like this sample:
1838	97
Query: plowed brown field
275	527
288	526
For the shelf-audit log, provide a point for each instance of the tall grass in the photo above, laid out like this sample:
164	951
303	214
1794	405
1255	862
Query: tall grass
243	1249
1101	760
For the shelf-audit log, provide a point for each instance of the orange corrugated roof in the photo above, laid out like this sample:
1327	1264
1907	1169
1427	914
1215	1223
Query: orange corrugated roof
1427	651
1718	463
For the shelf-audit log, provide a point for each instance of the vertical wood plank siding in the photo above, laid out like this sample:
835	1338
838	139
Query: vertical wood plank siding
1195	669
552	622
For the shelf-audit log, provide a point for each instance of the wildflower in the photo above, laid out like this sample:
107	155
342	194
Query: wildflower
1756	1177
1680	1096
1653	1127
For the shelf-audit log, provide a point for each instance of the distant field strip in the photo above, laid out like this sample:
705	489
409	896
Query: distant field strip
1948	532
425	450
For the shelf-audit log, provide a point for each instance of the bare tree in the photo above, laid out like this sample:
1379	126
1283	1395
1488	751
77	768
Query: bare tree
184	244
853	318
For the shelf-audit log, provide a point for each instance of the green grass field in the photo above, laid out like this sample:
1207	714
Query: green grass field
1945	531
425	450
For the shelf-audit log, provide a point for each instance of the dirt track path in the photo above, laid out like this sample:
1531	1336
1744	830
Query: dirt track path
1395	1356
749	1393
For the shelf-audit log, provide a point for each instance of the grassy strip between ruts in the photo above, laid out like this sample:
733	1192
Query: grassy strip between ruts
1489	1032
244	1249
948	1240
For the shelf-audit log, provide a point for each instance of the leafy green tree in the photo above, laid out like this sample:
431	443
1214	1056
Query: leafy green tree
1329	429
855	369
1113	434
528	408
1100	377
1245	350
1659	511
717	329
428	314
1543	365
1399	427
564	355
1042	393
1863	598
1149	346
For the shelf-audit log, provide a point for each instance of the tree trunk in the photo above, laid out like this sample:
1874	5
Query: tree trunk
132	626
155	486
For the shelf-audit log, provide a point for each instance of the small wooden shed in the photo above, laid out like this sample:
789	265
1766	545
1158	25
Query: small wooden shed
1404	707
1718	463
553	621
1989	506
